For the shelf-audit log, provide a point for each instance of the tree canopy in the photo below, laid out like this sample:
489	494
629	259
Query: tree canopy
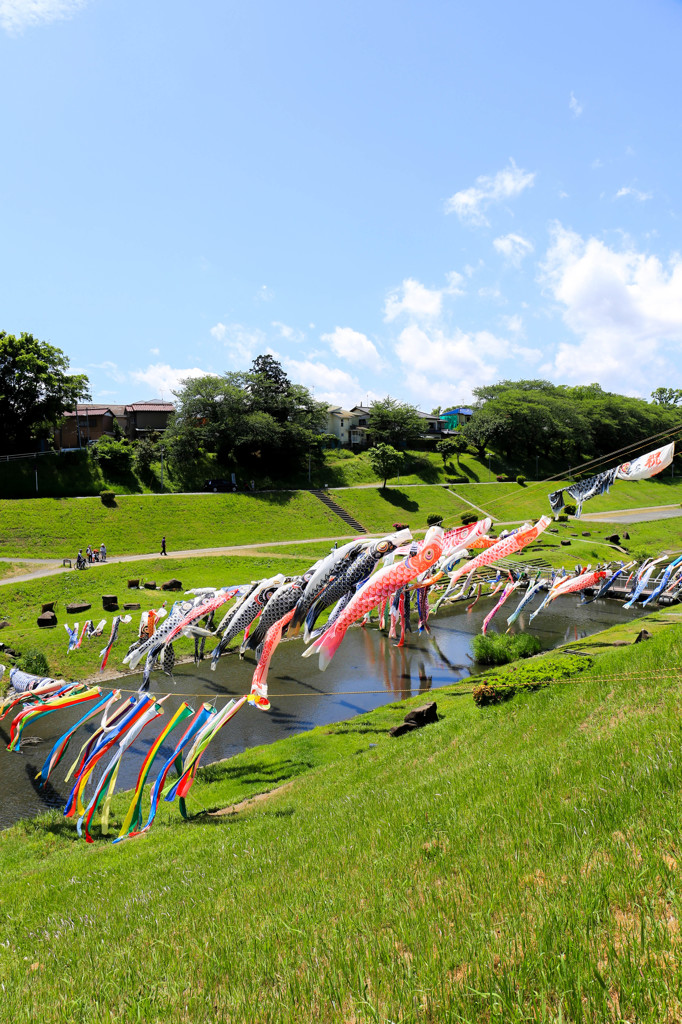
35	390
256	420
394	423
531	417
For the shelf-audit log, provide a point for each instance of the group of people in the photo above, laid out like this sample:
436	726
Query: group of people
91	555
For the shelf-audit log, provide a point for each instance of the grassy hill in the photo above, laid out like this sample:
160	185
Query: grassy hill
56	528
507	864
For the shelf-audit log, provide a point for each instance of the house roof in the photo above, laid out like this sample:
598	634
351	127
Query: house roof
337	411
152	406
465	411
90	410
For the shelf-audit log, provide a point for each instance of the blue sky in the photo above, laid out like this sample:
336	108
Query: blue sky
393	198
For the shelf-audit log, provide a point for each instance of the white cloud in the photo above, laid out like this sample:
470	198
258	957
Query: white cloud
513	248
459	362
354	347
574	106
16	15
161	378
155	351
470	203
514	323
288	333
111	370
265	294
243	343
493	293
628	190
625	307
328	384
419	302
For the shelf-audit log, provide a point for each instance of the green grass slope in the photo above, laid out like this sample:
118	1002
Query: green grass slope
515	863
378	509
59	527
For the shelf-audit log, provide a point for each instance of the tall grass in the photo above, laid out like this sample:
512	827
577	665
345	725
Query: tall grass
518	863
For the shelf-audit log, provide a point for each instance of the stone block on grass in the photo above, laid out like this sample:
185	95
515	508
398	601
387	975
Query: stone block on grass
47	620
109	603
171	585
78	607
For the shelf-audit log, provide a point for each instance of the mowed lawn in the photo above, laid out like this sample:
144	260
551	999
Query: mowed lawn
58	527
507	864
511	501
20	604
379	509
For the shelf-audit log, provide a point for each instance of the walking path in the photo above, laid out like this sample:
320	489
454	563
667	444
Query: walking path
49	569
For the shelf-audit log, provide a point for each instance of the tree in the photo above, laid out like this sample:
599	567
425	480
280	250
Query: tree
258	420
667	396
450	446
35	390
394	423
385	461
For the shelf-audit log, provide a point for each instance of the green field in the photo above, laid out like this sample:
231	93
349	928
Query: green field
21	604
378	509
59	527
512	863
510	502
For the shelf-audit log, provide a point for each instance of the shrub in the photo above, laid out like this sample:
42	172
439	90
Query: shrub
497	687
500	648
563	518
400	526
521	480
570	510
108	498
112	456
503	478
468	518
434	519
34	662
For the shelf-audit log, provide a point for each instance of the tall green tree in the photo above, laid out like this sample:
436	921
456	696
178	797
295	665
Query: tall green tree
385	461
35	391
394	423
257	421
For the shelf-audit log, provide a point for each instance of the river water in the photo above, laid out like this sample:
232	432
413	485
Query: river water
367	671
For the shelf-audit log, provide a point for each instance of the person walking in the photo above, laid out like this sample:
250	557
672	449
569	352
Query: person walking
163	546
88	552
102	552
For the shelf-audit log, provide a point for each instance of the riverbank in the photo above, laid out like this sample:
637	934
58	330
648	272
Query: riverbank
507	863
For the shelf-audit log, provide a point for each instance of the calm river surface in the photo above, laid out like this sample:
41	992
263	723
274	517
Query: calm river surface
367	663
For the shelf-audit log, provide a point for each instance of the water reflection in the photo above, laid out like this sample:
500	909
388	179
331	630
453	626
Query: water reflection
369	670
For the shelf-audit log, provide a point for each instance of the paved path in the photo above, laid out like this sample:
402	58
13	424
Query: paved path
50	569
634	515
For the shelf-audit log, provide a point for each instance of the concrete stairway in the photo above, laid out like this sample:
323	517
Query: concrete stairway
341	512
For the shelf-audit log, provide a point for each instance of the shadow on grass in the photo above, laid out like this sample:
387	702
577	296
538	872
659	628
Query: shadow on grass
259	772
398	499
424	469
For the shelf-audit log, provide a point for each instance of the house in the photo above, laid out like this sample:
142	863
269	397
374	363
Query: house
454	418
432	424
147	417
349	426
87	423
84	424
